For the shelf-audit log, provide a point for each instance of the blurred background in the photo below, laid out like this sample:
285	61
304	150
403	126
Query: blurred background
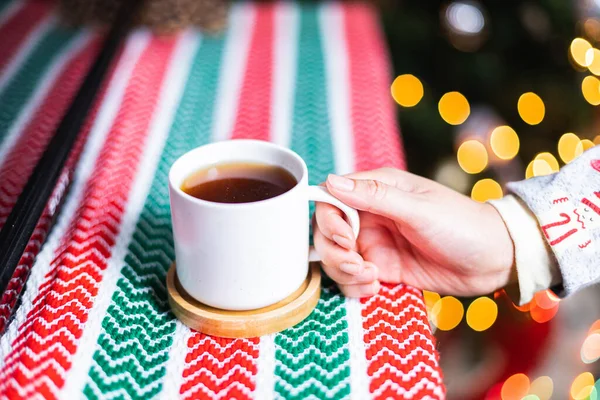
489	92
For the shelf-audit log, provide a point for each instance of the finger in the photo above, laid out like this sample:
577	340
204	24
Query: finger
334	226
378	246
334	256
369	274
399	179
376	197
363	290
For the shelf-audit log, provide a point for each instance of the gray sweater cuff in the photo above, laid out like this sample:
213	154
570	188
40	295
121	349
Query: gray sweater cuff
567	207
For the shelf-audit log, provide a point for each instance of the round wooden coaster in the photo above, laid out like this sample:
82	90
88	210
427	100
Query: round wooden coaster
244	324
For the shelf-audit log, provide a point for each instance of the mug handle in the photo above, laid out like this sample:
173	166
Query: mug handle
320	193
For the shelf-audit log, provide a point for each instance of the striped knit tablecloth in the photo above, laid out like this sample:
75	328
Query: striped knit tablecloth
94	320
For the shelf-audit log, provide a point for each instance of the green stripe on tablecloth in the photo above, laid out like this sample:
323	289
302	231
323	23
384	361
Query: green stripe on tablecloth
21	86
313	357
138	321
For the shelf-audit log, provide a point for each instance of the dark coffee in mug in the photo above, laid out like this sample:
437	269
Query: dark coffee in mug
238	182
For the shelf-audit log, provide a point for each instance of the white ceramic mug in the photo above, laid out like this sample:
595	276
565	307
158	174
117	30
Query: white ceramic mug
244	256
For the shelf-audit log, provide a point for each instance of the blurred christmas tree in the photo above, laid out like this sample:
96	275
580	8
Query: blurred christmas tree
492	52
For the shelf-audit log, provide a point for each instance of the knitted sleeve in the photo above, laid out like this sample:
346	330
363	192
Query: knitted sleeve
567	207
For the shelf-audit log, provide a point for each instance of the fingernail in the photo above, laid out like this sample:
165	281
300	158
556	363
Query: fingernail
343	241
340	183
349	268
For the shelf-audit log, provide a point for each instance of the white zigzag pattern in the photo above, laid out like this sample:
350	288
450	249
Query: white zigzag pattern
140	346
395	302
404	358
224	378
406	376
215	361
124	330
312	366
121	393
220	395
305	353
313	382
422	384
404	327
114	363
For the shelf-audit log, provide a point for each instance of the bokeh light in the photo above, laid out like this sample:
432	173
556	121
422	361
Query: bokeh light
504	142
592	59
465	18
590	88
430	299
515	388
543	314
531	397
542	387
531	108
590	349
486	189
482	313
546	299
582	386
407	90
472	156
578	50
454	108
448	312
550	159
567	146
595	328
597	138
540	167
583	145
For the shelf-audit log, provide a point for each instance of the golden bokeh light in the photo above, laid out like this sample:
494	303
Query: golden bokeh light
583	145
578	50
542	387
472	156
430	299
590	349
515	388
531	108
582	386
590	88
539	167
567	146
550	159
407	90
482	313
448	312
597	140
454	108
486	189
504	142
592	58
531	397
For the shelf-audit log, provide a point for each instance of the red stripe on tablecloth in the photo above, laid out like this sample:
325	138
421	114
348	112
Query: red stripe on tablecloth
26	152
253	119
376	135
377	144
210	359
47	340
14	31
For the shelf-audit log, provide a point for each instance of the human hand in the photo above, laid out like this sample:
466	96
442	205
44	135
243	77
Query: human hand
414	231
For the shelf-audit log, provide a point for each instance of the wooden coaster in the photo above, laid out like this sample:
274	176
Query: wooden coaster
244	324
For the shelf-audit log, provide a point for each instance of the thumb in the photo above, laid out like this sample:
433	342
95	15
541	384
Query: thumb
375	197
